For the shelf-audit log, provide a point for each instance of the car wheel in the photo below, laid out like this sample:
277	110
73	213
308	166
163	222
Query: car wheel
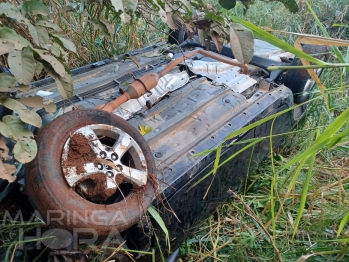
299	81
92	172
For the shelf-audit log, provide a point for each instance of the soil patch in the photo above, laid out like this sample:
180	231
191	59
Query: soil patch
94	187
80	153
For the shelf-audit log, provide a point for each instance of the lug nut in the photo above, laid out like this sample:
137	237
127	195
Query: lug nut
114	157
99	166
158	154
103	154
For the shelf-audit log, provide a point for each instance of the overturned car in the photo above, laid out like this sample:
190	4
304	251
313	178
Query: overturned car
95	174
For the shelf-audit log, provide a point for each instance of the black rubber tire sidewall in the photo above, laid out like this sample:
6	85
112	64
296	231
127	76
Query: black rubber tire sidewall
297	79
48	190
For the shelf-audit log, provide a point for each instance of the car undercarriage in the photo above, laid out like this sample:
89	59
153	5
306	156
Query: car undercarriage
96	173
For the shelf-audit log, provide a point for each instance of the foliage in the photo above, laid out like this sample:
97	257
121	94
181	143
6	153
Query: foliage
41	46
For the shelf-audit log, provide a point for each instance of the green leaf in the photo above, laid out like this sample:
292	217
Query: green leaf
6	47
34	8
241	43
37	102
42	35
227	4
264	35
54	49
65	43
12	12
119	7
56	65
152	211
214	17
7	81
304	194
48	25
23	112
98	25
291	5
38	68
7	34
217	160
64	84
110	27
216	34
25	149
22	65
344	221
325	138
144	129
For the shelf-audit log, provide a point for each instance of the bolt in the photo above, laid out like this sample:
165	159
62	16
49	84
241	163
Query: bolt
227	101
107	167
114	156
118	168
103	154
158	154
99	166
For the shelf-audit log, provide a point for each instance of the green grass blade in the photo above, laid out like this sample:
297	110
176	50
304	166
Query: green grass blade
304	194
343	223
271	68
323	139
218	158
324	31
255	124
340	240
226	161
264	35
334	127
273	182
154	213
305	155
157	241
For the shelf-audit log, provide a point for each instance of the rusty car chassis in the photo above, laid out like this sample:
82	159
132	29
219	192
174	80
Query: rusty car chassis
96	173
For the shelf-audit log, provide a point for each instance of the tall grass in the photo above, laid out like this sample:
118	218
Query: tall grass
299	195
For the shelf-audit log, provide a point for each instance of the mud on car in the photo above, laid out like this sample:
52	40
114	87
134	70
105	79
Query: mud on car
95	174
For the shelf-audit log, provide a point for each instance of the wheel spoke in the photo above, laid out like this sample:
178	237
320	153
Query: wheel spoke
73	177
122	145
135	176
111	184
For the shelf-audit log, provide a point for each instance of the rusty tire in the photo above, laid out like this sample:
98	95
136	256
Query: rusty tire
296	80
58	204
